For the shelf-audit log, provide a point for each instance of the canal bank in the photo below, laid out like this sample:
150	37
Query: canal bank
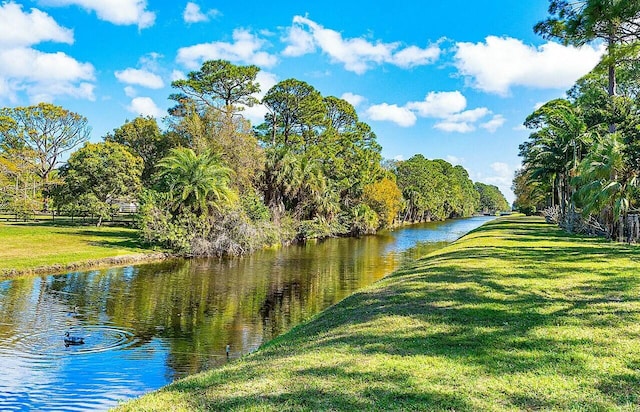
516	315
147	325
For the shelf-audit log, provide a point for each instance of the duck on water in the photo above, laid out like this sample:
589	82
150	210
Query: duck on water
72	340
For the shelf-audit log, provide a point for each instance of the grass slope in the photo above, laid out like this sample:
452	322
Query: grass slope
515	316
26	246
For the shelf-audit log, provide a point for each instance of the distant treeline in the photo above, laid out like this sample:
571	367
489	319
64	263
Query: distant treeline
213	184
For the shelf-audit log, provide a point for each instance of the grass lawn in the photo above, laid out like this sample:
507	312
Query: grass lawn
25	246
515	316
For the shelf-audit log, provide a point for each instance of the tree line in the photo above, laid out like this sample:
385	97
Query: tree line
210	183
581	161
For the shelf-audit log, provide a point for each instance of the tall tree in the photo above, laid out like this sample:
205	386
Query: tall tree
46	129
578	22
143	138
219	85
296	108
557	145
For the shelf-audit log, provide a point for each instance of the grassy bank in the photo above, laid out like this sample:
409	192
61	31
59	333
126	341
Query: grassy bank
515	316
26	247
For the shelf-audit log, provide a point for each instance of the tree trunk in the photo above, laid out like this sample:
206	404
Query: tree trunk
612	76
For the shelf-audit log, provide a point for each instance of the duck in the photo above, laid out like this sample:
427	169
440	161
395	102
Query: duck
73	340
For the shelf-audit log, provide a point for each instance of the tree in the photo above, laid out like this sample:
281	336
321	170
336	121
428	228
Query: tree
231	139
143	138
97	176
219	85
617	22
196	182
556	147
20	186
296	108
385	198
433	189
530	194
607	187
46	129
491	199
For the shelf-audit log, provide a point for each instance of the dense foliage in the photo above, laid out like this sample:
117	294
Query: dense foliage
581	160
435	190
213	184
491	199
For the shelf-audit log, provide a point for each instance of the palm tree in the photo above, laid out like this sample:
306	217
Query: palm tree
277	178
196	181
607	187
556	148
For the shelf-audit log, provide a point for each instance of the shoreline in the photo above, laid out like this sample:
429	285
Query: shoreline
101	263
137	258
515	315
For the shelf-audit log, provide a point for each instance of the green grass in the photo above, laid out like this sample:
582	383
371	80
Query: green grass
27	246
515	316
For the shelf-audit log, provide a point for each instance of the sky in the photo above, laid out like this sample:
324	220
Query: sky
450	80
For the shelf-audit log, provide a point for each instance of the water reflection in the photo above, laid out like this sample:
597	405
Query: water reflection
147	325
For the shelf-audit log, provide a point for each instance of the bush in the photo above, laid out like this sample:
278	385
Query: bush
319	228
364	220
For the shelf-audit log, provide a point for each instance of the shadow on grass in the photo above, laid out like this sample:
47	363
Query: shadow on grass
120	238
543	312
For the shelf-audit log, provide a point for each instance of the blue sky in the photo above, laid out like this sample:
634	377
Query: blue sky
448	79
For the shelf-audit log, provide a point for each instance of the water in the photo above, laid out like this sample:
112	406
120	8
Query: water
147	325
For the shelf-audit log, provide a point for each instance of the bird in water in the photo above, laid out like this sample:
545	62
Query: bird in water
73	340
75	312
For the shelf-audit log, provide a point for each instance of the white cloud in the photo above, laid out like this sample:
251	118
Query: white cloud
502	177
470	116
193	14
415	56
246	48
494	124
42	76
130	91
520	128
439	104
463	122
459	127
139	77
177	75
356	54
503	62
446	107
454	160
501	168
21	29
120	12
354	99
401	116
145	106
255	114
299	41
266	81
398	158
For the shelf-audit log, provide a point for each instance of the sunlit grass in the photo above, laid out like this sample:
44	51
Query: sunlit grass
515	316
25	246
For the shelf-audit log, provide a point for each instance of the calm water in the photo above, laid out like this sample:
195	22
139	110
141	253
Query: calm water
147	325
